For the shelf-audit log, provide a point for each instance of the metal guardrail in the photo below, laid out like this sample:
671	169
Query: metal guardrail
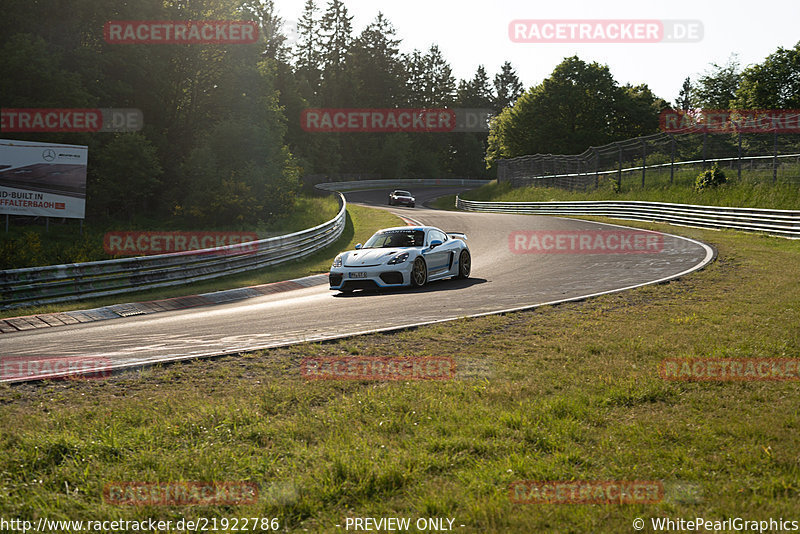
775	154
784	223
517	182
75	281
394	184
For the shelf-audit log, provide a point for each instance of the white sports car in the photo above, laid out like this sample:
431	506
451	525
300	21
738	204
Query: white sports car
402	256
399	196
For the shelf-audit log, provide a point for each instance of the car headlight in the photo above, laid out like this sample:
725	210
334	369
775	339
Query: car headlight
400	258
337	261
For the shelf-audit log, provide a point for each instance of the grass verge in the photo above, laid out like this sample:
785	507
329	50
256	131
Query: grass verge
361	224
744	194
447	203
30	245
564	392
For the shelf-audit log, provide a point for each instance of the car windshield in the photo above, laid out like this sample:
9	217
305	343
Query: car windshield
402	193
396	238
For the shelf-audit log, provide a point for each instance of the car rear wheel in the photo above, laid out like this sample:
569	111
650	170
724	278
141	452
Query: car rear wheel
464	265
419	273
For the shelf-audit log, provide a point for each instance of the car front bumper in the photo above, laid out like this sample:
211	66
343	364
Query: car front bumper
374	277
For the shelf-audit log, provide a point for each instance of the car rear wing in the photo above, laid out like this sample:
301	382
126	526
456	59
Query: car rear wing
458	235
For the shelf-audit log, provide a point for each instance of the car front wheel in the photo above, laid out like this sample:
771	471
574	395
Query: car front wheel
419	273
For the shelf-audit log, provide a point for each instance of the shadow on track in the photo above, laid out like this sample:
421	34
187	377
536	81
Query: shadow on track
432	287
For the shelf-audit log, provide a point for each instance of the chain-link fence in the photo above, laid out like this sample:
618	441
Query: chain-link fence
663	158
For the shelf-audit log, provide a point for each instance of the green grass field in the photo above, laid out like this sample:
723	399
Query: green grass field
755	190
569	392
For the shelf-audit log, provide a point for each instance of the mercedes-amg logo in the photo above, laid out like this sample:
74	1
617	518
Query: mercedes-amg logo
49	154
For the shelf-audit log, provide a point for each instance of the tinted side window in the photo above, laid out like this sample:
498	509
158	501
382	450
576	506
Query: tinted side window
436	234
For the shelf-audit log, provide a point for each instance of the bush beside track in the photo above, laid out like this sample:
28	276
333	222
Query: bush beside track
557	393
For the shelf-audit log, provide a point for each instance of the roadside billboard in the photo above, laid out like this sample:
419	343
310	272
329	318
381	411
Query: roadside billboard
42	179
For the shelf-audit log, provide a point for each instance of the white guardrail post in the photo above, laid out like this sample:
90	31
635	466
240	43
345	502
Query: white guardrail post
75	281
784	223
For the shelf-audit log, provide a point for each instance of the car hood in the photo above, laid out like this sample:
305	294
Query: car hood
369	256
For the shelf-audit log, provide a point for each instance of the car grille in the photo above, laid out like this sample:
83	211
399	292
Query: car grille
335	279
392	277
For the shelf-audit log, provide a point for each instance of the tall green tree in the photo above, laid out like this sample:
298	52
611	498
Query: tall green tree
378	77
578	106
507	87
637	112
772	84
337	37
308	52
374	62
686	97
271	28
717	88
430	84
468	149
477	92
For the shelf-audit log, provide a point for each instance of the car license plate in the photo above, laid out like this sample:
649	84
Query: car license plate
358	275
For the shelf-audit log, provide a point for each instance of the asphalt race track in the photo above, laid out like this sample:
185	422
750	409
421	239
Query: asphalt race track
500	280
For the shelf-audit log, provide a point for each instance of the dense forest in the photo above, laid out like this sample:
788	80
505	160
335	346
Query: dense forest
222	138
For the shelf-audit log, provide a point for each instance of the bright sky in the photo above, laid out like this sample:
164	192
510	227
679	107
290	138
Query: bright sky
474	32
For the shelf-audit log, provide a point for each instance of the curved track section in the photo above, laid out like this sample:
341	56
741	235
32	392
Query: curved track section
501	281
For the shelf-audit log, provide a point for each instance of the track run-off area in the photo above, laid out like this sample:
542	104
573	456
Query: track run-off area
503	279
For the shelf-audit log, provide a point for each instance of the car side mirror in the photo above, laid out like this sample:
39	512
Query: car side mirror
358	246
436	243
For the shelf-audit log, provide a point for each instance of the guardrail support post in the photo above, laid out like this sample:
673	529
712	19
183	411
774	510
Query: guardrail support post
619	170
644	160
740	157
775	156
672	159
596	169
705	136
